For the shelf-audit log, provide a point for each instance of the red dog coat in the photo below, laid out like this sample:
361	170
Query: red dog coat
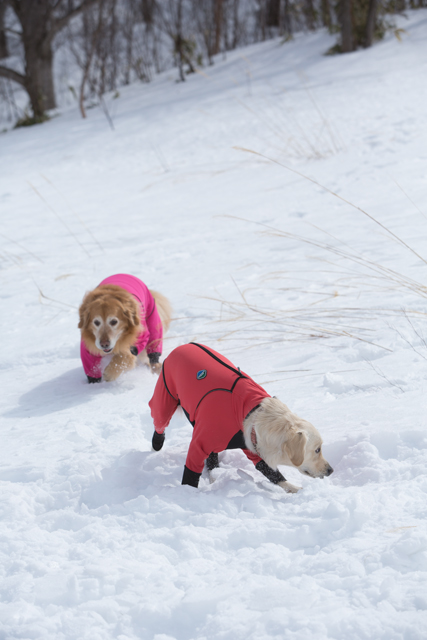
216	398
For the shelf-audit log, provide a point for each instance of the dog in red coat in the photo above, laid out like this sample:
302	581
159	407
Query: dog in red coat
228	410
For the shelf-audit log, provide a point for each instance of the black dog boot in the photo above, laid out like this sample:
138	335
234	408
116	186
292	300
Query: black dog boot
157	441
91	380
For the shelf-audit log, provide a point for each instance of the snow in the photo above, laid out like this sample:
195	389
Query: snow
318	302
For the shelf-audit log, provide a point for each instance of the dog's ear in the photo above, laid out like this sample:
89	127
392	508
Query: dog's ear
135	317
131	312
295	448
84	312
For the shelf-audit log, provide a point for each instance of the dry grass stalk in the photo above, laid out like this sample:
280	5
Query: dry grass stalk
390	274
302	175
73	235
21	247
74	212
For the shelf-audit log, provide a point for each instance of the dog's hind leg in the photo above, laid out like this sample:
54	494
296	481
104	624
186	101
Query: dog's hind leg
212	461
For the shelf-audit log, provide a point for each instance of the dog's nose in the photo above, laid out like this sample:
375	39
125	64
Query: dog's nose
105	344
329	470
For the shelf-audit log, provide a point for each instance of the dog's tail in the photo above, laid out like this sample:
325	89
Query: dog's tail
164	308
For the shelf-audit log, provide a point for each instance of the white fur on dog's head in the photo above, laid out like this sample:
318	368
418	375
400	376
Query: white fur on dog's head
282	438
109	320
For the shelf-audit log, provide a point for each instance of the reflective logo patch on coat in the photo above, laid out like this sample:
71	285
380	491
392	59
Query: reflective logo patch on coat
201	374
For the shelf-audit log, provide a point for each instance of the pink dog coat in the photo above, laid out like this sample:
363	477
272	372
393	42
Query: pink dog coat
151	334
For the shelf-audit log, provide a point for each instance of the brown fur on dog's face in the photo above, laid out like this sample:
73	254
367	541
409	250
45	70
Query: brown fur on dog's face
285	439
109	320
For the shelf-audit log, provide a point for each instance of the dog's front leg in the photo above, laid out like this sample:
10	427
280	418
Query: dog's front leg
120	362
288	487
276	477
155	365
156	368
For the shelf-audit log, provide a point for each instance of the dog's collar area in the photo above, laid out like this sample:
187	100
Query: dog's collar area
253	432
254	439
252	410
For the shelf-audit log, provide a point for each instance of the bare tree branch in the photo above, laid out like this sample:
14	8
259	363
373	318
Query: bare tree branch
13	31
62	22
5	72
4	52
15	6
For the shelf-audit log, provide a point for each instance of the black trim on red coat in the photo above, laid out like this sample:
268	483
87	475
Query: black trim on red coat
235	382
236	371
252	410
216	389
164	382
212	355
187	415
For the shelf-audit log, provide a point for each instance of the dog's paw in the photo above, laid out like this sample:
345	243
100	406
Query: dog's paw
120	362
157	441
111	373
91	380
288	487
156	367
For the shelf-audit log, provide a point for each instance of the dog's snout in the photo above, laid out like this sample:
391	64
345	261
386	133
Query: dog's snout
105	344
329	470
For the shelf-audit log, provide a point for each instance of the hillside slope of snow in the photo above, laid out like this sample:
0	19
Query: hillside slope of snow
279	200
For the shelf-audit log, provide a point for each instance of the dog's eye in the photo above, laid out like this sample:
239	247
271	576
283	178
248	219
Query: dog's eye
113	323
317	450
96	323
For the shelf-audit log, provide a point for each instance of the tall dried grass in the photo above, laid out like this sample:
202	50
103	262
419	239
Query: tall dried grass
253	325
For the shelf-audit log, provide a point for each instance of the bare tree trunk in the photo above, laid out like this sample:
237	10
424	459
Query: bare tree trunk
235	24
310	15
147	10
92	39
40	21
39	78
179	46
370	22
178	42
3	41
225	27
281	20
347	40
326	14
172	22
218	19
273	13
287	22
262	18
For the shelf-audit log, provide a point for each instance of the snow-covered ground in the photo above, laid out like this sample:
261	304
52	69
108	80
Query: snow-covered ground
320	303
